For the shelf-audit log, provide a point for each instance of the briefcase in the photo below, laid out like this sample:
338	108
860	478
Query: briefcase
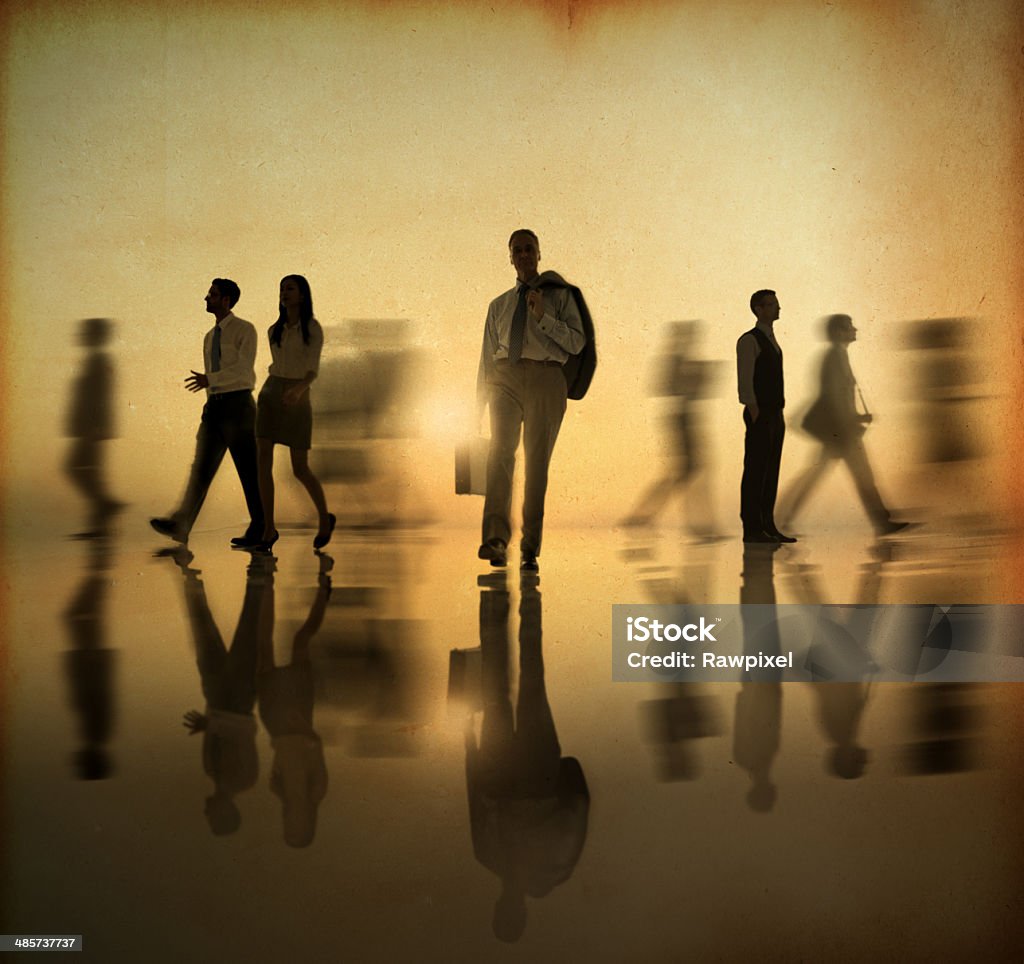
471	467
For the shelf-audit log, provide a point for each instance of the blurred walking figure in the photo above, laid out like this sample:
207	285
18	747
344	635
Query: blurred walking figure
90	423
685	381
284	414
836	423
954	413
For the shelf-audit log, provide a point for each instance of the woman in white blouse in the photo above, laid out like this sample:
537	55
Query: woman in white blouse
284	415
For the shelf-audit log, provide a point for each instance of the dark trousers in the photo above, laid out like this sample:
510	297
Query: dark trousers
527	397
228	425
762	455
228	676
853	453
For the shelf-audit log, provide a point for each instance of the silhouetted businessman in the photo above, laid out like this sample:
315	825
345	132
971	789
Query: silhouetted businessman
762	394
530	333
229	417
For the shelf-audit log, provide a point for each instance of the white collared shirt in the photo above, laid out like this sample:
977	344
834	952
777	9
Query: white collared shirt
293	358
555	337
237	356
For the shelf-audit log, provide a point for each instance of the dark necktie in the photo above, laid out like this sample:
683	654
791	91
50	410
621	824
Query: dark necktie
518	332
215	350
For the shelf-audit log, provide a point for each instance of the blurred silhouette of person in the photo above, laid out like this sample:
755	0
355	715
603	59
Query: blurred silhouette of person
952	410
762	395
840	708
842	650
532	331
298	774
284	414
90	423
947	377
834	420
684	712
228	420
947	721
228	678
528	805
757	732
90	665
685	380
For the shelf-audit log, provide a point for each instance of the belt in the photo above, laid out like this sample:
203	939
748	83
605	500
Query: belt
529	361
226	395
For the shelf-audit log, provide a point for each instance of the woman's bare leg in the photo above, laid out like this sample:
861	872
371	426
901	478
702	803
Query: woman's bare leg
300	466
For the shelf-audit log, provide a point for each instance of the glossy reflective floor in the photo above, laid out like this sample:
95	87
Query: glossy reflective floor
389	752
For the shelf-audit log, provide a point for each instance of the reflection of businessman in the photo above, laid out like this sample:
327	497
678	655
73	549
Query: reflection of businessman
228	679
528	805
762	394
757	733
531	331
229	417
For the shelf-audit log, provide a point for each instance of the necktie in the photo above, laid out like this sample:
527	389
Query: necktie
518	332
215	350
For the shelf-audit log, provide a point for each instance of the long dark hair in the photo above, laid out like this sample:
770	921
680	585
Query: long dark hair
305	311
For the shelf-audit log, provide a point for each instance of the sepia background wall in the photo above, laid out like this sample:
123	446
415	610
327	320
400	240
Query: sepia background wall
673	157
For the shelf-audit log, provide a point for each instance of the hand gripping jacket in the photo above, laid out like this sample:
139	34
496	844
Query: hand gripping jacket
578	369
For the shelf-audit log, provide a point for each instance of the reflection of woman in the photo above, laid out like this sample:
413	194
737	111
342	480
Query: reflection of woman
298	774
833	419
284	415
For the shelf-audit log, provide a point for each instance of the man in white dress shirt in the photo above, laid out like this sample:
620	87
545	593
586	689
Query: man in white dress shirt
531	331
229	417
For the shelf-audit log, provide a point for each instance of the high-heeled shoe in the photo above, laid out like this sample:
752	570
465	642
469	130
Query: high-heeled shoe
321	540
267	544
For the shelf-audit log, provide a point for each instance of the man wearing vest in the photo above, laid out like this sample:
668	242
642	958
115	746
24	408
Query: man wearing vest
532	330
762	394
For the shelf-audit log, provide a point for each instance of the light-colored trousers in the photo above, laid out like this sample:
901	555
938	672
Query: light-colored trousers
527	397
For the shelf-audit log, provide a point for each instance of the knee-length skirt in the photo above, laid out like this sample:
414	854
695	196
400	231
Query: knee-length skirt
290	425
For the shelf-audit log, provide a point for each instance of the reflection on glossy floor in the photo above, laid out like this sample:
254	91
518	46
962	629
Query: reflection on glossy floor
389	753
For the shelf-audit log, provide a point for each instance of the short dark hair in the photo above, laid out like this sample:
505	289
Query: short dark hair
512	236
228	289
758	296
